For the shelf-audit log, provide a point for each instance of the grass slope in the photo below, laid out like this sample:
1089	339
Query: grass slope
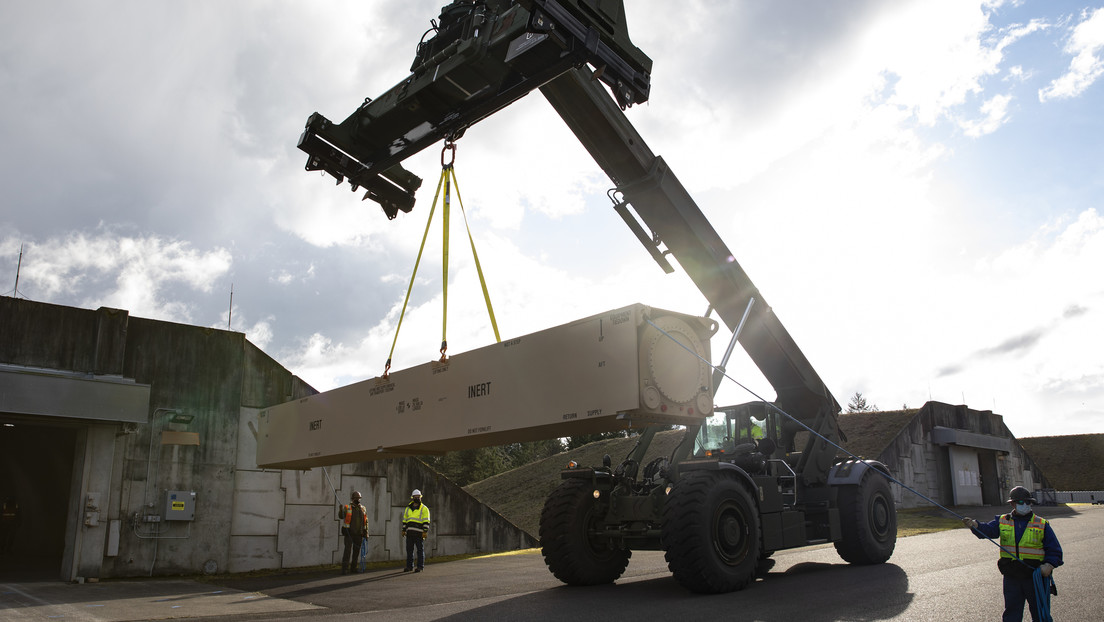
519	494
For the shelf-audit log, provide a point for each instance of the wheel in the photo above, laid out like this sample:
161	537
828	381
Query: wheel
868	520
711	532
570	552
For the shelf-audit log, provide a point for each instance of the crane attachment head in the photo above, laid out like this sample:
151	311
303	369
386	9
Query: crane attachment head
482	56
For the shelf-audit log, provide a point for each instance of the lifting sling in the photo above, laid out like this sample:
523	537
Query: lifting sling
447	180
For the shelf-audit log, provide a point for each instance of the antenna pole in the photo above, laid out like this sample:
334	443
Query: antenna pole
18	267
230	314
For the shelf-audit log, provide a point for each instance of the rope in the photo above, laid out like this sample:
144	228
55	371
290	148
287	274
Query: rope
1042	595
827	440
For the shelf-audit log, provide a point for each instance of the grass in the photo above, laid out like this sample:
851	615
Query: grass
916	521
518	495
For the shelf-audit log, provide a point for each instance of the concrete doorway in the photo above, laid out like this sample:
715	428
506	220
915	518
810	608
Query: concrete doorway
991	485
36	469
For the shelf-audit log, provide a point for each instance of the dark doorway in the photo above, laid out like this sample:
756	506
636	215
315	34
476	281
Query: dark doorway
990	483
36	471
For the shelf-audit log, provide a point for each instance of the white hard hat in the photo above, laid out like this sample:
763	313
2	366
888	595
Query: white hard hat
416	493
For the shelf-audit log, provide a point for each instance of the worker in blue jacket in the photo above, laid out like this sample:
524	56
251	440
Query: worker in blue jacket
1027	543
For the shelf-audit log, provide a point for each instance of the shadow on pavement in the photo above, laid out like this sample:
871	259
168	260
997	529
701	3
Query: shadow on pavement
811	592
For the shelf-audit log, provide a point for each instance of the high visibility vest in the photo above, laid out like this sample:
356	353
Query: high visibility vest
347	512
1030	545
416	520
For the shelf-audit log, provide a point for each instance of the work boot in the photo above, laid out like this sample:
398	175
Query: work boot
417	570
407	569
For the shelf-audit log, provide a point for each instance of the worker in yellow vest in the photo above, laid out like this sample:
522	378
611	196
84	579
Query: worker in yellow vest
354	528
415	528
1027	543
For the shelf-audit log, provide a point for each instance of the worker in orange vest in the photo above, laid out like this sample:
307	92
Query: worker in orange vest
355	530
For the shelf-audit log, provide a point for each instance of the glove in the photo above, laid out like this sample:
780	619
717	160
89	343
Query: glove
969	522
1046	569
425	535
404	533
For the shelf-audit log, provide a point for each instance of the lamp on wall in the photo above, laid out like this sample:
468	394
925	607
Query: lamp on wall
179	437
180	417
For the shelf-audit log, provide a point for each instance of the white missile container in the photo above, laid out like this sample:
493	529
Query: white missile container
629	367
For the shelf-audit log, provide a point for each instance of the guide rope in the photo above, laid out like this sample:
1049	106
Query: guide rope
447	180
1043	586
720	371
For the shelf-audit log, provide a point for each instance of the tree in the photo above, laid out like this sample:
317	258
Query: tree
575	442
521	454
466	466
858	404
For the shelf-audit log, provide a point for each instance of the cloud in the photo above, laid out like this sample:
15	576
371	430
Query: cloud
1019	343
1085	44
260	333
1049	282
134	273
1074	310
995	112
949	370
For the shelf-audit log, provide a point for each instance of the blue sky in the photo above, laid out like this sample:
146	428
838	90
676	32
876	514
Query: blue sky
914	185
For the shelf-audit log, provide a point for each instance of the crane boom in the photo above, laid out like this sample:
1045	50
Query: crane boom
664	205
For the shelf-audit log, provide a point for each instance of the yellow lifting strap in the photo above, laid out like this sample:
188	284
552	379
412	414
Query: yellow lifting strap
448	174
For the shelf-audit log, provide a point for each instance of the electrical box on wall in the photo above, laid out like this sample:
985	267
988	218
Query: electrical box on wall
179	505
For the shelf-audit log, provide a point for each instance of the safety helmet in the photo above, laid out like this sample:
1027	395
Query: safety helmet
1019	493
355	496
416	493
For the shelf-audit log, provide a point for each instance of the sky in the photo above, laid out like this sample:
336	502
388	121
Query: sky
915	185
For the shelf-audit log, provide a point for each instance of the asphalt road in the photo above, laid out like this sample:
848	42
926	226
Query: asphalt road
944	576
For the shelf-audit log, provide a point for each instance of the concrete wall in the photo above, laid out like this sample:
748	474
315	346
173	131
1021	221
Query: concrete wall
245	518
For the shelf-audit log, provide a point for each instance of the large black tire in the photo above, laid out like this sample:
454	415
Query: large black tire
868	520
571	554
711	532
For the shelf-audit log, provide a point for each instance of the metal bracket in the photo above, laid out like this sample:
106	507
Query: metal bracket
651	242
